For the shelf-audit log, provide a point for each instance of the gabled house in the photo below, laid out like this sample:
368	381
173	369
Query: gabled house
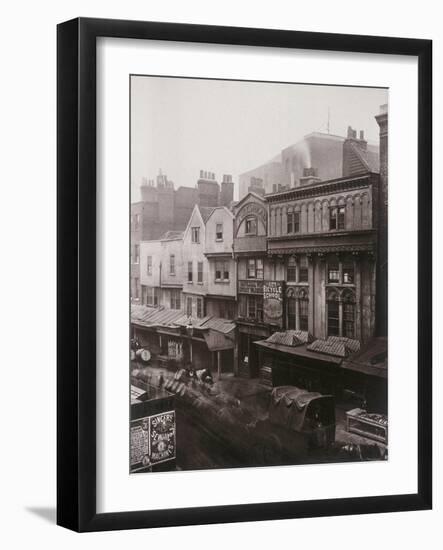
221	276
195	263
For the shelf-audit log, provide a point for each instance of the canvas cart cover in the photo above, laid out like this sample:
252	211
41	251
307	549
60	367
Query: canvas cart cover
289	406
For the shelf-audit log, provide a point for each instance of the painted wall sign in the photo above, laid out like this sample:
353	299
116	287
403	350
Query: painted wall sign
162	437
152	440
250	209
140	444
273	302
250	287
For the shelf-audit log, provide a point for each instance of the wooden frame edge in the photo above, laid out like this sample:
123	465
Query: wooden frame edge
76	257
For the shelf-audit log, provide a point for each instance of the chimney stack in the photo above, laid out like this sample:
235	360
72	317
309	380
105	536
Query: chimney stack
208	189
227	190
352	134
310	176
256	186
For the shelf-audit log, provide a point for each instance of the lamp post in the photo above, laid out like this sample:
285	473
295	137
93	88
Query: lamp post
190	332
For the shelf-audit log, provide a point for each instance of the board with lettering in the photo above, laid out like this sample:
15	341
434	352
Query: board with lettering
273	302
152	440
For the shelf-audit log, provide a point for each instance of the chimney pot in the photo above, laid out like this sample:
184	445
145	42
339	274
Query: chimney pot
362	134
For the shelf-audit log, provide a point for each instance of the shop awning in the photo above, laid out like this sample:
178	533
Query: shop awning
218	324
145	316
217	341
152	317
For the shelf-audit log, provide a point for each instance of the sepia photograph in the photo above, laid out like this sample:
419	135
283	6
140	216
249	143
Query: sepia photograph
258	274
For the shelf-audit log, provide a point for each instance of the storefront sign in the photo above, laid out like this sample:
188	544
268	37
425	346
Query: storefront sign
152	440
273	302
250	287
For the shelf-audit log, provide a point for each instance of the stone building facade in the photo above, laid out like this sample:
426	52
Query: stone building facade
323	240
382	258
310	255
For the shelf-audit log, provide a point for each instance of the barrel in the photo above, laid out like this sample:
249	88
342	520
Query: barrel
143	355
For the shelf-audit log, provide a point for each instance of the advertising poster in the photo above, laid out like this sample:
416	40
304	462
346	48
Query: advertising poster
273	302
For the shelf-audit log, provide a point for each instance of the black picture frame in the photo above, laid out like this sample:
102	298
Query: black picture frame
76	293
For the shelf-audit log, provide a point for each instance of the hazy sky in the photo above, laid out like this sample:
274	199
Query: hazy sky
228	127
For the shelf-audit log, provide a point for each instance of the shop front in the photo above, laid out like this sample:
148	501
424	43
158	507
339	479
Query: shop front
297	366
366	376
248	356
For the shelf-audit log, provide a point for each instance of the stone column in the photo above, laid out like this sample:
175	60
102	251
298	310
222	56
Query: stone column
297	313
340	316
312	293
358	296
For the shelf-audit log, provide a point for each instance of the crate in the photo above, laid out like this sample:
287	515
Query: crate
358	423
266	375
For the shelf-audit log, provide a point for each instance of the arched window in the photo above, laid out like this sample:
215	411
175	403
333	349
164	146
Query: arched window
333	314
251	226
292	311
348	315
291	272
298	309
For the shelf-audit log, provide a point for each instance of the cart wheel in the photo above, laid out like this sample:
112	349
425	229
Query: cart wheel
272	450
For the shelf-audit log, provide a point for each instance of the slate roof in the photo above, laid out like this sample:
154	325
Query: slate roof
151	317
335	345
218	324
301	351
205	212
172	236
185	320
364	161
290	338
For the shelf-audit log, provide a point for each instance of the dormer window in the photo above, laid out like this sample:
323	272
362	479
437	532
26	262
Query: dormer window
219	232
251	226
